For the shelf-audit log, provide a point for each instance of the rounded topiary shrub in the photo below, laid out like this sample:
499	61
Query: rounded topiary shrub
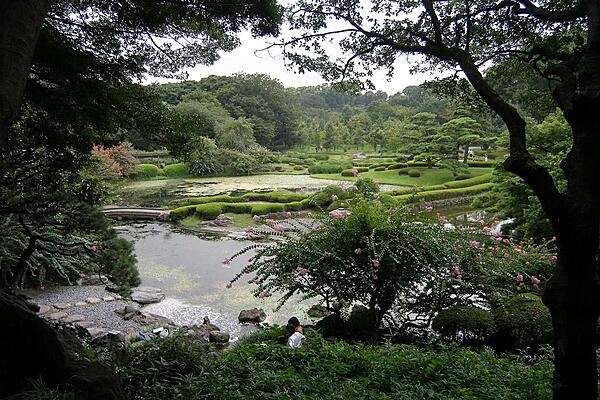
209	211
522	321
382	168
176	170
261	209
403	171
414	173
237	208
293	206
397	166
182	212
147	171
298	168
462	177
347	172
465	324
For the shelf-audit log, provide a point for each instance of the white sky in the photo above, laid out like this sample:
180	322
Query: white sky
243	59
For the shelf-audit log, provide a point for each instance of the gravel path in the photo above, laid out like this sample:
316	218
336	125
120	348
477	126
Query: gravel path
93	306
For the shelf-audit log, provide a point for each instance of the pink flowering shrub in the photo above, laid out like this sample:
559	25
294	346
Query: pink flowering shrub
115	161
396	264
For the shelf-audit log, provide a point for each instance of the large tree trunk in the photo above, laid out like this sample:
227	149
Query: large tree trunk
20	24
572	296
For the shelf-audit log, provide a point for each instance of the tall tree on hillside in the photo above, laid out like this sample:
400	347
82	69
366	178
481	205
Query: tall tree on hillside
562	40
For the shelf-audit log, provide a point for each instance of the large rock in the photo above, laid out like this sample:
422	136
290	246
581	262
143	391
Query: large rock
202	332
147	295
254	316
221	220
218	337
144	318
33	350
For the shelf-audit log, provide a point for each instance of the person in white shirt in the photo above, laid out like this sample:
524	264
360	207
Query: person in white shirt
296	331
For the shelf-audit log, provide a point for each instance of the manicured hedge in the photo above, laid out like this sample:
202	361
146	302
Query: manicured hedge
457	321
236	208
397	166
347	172
265	208
223	198
329	167
293	206
275	197
181	212
476	180
447	193
414	173
381	168
209	211
177	170
147	171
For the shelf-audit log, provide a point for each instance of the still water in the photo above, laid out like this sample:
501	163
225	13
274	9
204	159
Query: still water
188	267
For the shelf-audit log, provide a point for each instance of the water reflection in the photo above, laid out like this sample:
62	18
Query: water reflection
188	267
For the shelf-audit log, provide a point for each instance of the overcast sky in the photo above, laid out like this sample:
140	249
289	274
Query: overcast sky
243	59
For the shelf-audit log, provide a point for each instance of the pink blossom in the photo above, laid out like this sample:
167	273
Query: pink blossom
288	214
344	188
487	229
519	278
375	263
475	244
506	240
302	190
456	271
357	250
554	257
428	208
255	217
354	171
94	248
339	213
248	229
343	301
481	222
334	197
498	238
301	270
535	281
269	221
226	261
553	238
279	228
229	285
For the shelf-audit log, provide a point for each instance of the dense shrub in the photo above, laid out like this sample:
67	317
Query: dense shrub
236	208
414	173
298	167
403	171
447	193
380	168
326	196
181	212
201	156
144	171
275	197
223	198
397	166
236	163
466	324
178	170
476	180
209	211
329	167
119	263
462	177
367	187
523	321
261	366
293	206
417	164
347	172
265	208
321	157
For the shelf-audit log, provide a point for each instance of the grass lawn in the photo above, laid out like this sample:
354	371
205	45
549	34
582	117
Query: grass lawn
239	221
429	177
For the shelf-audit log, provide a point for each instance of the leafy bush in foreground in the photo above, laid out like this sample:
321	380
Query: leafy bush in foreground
260	366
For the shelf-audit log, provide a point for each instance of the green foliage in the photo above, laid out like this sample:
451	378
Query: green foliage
119	263
201	155
182	212
476	180
209	211
236	208
262	364
179	170
388	252
381	168
294	206
221	198
145	171
265	208
275	197
325	197
347	172
367	187
464	324
414	173
448	193
398	166
329	167
523	321
236	163
321	157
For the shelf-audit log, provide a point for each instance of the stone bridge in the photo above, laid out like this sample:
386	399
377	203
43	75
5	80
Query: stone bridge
120	213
